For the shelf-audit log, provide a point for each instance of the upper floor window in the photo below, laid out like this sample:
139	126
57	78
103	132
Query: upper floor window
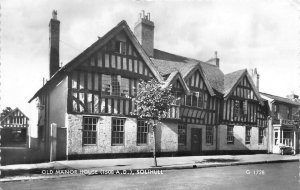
121	47
276	110
115	85
125	87
200	100
195	99
188	100
106	84
179	97
289	113
240	108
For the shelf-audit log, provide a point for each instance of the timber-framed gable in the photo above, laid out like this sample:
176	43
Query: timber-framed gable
105	82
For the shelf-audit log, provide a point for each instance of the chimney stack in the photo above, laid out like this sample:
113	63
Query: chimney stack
54	26
255	77
144	32
214	61
292	96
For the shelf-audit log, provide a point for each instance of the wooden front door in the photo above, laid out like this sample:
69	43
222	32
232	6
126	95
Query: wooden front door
196	141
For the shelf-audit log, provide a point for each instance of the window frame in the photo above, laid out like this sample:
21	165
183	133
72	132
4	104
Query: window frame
261	135
209	135
143	136
120	47
87	131
122	132
230	134
182	138
247	135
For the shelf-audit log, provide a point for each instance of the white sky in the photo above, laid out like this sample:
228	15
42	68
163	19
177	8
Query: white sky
246	34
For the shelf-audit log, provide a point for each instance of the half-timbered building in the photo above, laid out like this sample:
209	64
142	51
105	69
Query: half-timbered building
86	104
14	128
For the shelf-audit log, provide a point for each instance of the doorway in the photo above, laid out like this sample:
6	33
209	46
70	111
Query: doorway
196	141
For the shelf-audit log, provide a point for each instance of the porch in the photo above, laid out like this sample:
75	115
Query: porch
285	136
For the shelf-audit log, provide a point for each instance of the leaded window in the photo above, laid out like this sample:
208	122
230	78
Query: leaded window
125	87
106	85
115	83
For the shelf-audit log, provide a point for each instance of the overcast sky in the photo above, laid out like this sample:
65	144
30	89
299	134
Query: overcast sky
247	34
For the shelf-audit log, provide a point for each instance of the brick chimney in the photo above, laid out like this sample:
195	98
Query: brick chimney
54	43
292	96
215	60
144	32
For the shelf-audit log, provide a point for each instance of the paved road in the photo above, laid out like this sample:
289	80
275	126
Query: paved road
261	176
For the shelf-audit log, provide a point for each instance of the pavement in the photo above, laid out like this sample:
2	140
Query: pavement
72	168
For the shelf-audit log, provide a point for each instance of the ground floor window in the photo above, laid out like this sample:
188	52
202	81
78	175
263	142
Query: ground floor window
209	135
142	132
247	135
230	136
117	131
276	137
89	133
182	134
260	135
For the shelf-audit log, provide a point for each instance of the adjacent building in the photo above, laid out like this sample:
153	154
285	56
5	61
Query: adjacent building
14	129
85	108
283	122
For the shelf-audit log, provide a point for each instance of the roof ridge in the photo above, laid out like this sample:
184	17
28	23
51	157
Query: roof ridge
275	95
194	59
236	71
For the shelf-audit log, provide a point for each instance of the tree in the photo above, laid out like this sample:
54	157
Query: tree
153	101
5	112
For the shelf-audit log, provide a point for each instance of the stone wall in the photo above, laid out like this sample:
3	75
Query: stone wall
167	140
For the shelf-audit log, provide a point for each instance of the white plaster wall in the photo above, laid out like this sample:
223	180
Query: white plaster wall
58	103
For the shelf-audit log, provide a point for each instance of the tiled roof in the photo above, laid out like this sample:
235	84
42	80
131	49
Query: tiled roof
230	79
280	99
166	63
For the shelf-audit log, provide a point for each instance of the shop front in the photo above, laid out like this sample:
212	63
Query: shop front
285	136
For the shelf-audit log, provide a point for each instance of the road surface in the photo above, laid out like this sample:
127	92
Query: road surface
260	176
